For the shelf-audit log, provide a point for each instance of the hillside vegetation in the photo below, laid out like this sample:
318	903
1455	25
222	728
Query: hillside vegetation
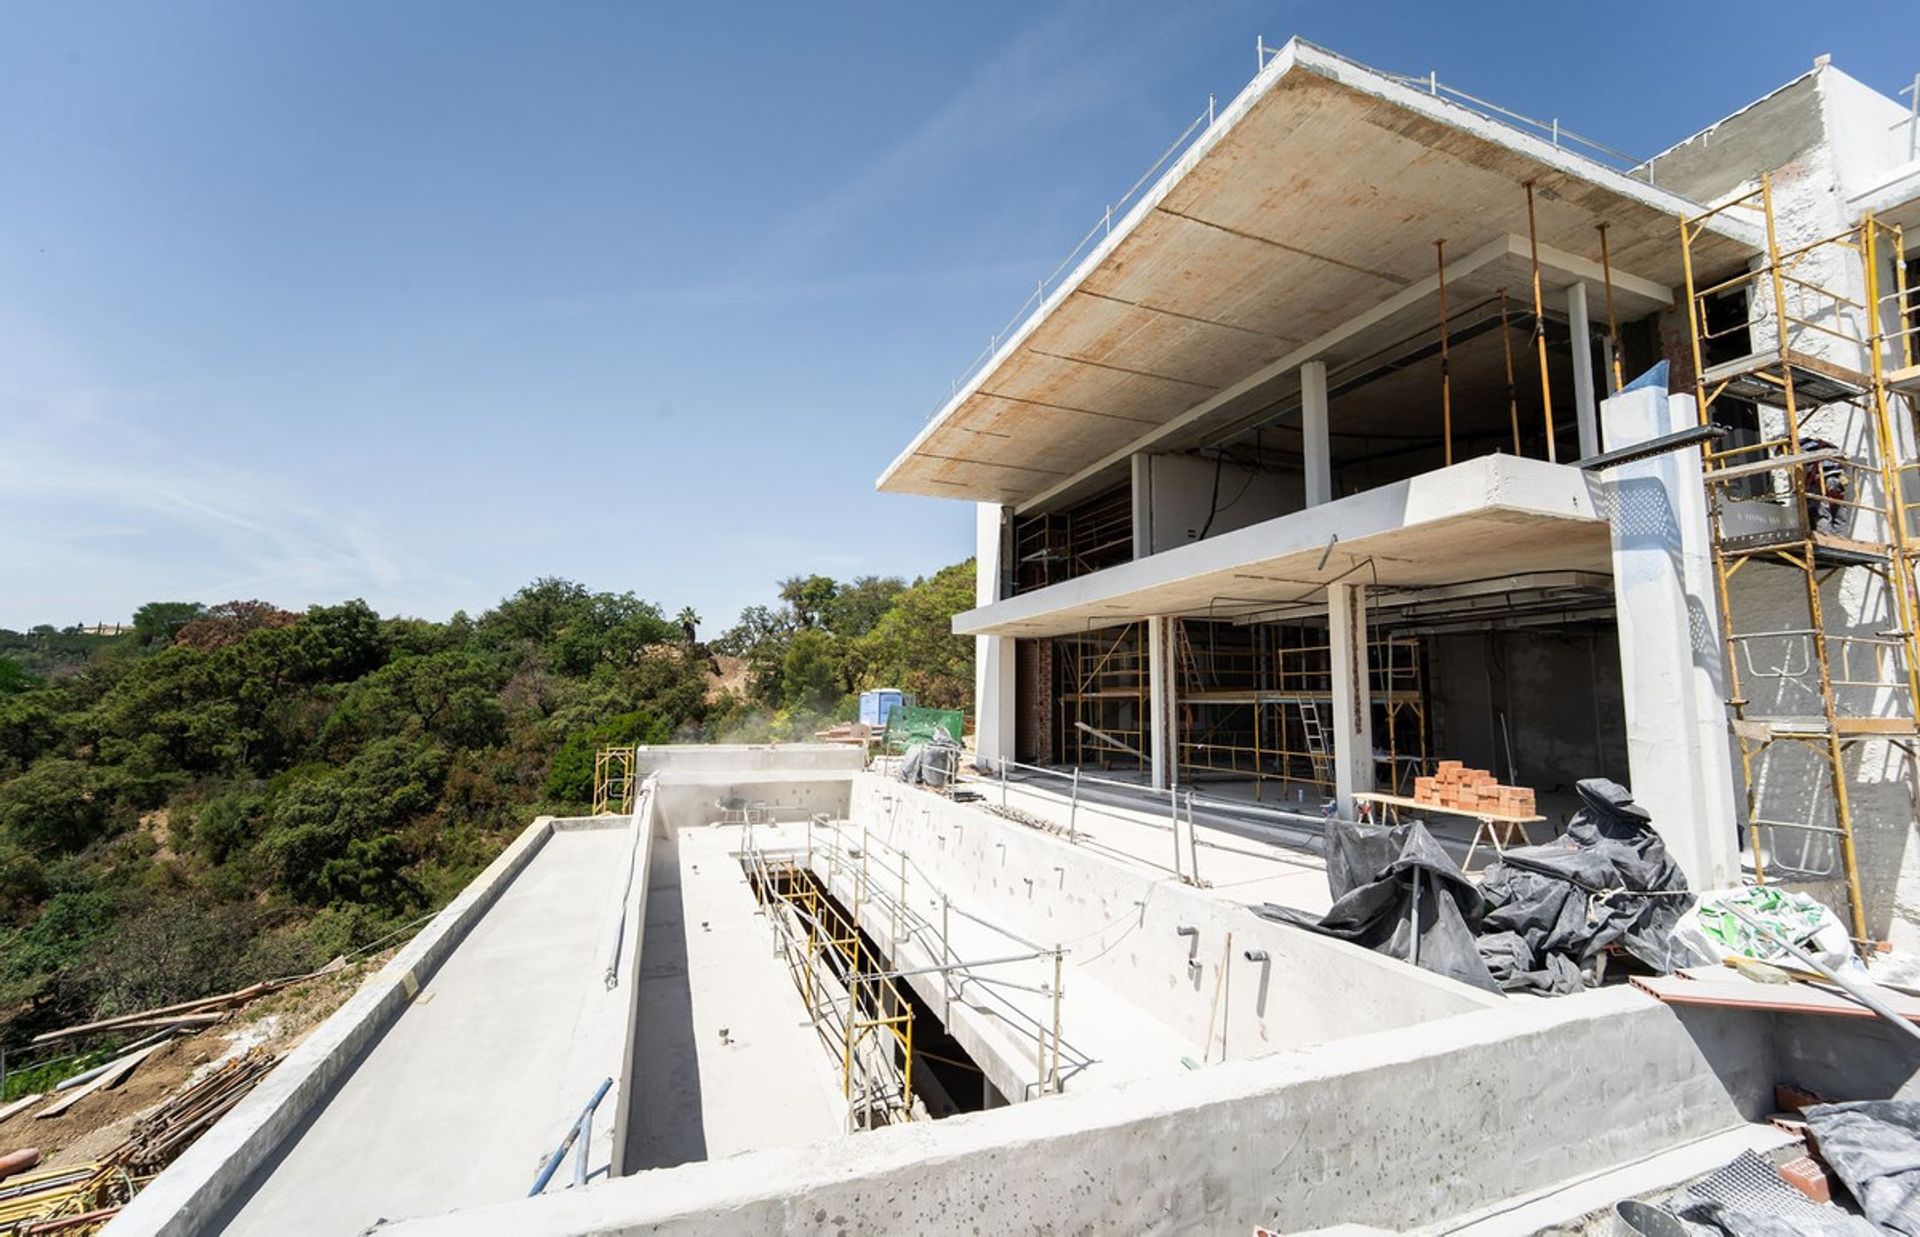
232	793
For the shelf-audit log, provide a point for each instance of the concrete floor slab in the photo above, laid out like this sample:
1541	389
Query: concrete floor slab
729	1060
467	1093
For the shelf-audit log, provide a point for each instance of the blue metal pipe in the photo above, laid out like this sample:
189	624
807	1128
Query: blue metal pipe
560	1152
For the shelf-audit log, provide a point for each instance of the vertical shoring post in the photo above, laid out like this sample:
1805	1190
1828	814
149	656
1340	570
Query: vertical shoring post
1446	373
1073	807
1613	324
1513	392
1540	330
1003	780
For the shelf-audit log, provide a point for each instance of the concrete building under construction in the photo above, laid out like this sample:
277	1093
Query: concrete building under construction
1381	432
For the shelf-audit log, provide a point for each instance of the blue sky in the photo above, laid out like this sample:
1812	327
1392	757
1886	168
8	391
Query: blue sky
417	302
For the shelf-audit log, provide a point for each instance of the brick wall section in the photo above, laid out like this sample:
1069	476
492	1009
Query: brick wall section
1033	701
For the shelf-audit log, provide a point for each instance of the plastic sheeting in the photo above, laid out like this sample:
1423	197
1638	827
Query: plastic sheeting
1553	909
1873	1146
1393	886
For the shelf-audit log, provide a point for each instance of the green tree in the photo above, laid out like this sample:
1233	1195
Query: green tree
913	647
570	777
813	672
158	622
857	606
53	807
808	597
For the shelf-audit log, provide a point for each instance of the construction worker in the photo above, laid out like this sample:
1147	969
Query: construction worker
1825	484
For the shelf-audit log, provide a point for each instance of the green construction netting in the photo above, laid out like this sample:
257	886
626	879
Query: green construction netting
909	725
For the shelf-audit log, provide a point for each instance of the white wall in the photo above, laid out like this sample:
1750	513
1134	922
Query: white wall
1182	493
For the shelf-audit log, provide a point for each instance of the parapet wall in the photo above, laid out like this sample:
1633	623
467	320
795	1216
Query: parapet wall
1392	1129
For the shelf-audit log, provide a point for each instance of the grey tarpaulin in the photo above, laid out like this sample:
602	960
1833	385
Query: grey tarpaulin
1874	1147
1372	871
1552	909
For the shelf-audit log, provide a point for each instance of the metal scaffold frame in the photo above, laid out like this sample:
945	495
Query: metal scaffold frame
613	781
1809	490
854	998
1254	708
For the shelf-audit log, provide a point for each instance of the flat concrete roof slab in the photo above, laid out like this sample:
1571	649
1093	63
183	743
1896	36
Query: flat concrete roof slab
1491	516
1317	196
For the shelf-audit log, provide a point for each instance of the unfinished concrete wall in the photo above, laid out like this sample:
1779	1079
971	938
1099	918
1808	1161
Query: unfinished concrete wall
1558	692
1122	924
1183	497
729	759
1391	1129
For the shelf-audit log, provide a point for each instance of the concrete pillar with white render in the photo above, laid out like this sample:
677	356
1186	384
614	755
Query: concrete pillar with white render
1313	432
993	656
1352	695
1160	757
1585	411
1672	665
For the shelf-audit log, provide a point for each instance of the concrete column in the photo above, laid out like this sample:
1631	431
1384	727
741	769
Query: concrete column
1313	432
1142	504
1352	694
1585	413
993	656
1159	709
1672	666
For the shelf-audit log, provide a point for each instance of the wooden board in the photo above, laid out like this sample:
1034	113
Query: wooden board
20	1105
1470	812
115	1074
1776	998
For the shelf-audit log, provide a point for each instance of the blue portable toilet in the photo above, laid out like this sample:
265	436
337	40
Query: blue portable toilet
877	706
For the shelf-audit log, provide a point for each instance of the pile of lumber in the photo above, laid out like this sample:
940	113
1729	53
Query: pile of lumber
201	1013
1457	788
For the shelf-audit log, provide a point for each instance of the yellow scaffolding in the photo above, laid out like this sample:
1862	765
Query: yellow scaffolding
1791	500
1256	701
613	781
864	1020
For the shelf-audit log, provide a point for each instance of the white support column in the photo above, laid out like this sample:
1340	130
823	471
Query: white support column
1352	694
1585	412
1313	432
1159	707
1672	667
1142	504
994	686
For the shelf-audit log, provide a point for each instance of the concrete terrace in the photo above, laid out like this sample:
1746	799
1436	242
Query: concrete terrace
475	1082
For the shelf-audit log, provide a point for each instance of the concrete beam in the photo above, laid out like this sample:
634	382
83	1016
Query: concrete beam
1672	667
1352	694
1313	430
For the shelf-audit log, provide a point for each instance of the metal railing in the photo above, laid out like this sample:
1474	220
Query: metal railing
1181	803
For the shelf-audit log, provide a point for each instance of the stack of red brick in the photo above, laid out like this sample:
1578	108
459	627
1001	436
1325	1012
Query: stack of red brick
1457	788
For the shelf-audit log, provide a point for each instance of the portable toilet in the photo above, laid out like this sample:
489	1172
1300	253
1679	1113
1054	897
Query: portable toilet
878	705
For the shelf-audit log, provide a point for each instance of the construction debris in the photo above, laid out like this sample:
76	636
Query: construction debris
112	1075
81	1198
202	1012
1556	911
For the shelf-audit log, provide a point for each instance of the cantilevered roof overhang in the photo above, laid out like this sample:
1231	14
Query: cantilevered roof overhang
1498	515
1299	226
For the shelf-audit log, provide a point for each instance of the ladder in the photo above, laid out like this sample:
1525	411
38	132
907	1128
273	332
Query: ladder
1312	730
1798	681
